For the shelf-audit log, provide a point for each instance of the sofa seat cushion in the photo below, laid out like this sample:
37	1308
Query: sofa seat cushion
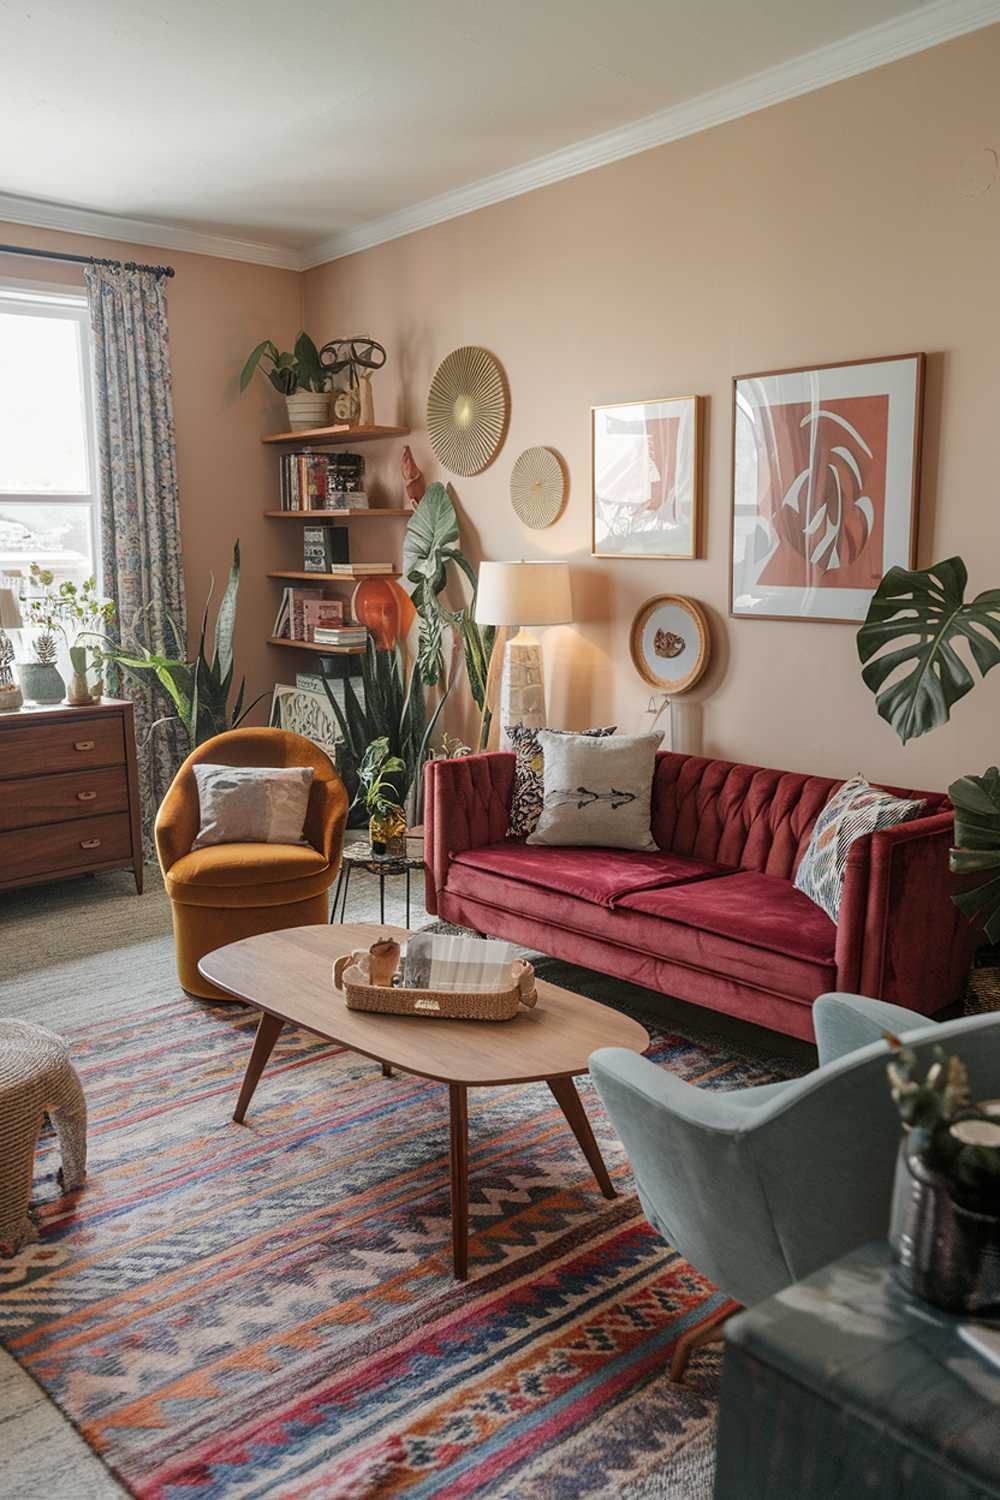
247	875
763	910
602	876
653	933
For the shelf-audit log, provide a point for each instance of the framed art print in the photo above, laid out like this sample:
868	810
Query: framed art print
646	477
826	465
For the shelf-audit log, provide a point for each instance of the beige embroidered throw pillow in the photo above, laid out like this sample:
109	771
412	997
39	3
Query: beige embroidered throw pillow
252	804
597	791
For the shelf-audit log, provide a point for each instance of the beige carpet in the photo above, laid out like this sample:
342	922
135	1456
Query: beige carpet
68	952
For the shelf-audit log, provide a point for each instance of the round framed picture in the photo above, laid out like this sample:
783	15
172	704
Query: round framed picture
670	643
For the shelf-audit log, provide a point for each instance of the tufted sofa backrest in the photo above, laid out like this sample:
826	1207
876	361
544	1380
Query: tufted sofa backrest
748	817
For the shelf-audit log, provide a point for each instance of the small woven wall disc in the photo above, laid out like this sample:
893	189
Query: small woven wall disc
467	410
537	487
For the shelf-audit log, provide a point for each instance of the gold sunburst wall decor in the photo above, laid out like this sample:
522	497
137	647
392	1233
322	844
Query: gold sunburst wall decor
467	410
538	487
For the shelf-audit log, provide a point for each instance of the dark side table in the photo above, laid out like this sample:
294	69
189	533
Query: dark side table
360	856
844	1387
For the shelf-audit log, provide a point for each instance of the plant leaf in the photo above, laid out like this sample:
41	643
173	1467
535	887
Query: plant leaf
431	538
976	800
917	682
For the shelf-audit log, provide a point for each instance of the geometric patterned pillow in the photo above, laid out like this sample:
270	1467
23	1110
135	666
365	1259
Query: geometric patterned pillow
850	813
529	772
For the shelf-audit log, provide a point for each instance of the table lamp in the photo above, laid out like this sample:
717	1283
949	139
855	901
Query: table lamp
10	619
519	594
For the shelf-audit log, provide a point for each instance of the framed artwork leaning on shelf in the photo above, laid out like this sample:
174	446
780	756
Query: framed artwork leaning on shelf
826	470
646	478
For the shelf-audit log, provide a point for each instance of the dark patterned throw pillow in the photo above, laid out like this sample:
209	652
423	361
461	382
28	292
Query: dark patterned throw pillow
529	773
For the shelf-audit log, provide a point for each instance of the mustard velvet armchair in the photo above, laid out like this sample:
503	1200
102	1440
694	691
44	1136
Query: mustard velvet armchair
226	892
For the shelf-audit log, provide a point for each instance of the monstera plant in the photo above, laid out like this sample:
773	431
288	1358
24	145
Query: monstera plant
907	645
430	548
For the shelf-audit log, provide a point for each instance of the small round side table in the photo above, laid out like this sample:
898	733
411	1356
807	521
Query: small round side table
360	856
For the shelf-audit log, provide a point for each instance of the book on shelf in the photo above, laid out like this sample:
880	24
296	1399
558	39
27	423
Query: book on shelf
324	548
320	613
290	621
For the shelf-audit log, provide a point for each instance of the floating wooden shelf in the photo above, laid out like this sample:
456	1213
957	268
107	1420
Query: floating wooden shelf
379	513
328	436
315	646
344	575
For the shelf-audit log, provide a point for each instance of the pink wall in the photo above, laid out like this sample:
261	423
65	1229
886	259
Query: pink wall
859	221
218	310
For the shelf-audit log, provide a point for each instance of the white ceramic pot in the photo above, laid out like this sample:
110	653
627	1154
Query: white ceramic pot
308	409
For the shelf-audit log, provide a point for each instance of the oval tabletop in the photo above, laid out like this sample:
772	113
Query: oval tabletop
289	975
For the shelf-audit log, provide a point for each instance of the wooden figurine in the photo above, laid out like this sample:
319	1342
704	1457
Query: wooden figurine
413	479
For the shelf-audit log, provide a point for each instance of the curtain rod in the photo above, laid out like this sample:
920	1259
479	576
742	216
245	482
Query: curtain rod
84	260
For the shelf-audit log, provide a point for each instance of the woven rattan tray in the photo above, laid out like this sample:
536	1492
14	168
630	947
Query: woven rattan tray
351	974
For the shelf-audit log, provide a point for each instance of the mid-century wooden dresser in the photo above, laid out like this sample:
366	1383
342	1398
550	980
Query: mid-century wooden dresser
69	793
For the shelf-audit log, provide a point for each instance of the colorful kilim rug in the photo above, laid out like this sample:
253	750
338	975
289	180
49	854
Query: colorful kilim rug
268	1310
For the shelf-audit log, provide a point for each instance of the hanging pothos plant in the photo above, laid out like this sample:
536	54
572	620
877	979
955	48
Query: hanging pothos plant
907	647
431	547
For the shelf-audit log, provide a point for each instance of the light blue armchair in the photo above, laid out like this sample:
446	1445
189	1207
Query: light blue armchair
759	1187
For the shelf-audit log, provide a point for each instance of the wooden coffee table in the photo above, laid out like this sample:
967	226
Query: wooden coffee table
289	977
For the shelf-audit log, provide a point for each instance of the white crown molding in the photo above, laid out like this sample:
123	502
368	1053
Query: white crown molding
42	215
939	21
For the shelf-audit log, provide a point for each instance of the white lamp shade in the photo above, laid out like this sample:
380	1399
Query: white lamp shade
10	612
524	593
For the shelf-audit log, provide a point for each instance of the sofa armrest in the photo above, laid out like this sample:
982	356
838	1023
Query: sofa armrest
466	806
900	937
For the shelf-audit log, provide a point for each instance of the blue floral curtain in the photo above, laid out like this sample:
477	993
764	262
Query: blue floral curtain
140	517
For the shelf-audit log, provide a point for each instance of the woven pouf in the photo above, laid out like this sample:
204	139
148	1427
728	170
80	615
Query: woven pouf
36	1079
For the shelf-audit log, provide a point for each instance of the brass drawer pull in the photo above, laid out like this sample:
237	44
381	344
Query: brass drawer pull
85	796
90	843
84	745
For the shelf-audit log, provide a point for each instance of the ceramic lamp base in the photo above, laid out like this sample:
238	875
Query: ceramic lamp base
522	689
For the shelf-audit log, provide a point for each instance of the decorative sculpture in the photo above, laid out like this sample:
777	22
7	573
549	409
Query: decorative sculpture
353	355
413	478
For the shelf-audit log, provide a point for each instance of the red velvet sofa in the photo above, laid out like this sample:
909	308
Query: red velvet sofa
711	915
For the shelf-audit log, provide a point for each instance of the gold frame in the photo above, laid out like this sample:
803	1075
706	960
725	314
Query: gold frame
696	509
642	614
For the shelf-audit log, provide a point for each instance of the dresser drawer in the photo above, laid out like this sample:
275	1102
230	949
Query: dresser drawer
52	799
55	847
29	749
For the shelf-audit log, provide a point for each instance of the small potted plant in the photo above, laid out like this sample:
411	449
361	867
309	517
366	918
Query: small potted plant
381	781
298	376
945	1229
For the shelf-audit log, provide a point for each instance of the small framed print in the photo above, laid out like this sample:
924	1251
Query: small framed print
646	477
826	468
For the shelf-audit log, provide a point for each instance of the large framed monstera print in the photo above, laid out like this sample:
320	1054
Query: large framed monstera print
826	467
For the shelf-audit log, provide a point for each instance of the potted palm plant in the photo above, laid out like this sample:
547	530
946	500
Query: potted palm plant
298	376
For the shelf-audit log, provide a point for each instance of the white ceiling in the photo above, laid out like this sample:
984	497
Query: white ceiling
307	128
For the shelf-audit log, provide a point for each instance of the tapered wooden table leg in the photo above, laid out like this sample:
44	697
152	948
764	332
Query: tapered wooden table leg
268	1029
459	1099
570	1103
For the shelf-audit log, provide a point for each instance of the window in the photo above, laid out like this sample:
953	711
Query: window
48	481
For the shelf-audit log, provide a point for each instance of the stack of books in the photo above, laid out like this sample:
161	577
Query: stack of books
322	481
341	636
